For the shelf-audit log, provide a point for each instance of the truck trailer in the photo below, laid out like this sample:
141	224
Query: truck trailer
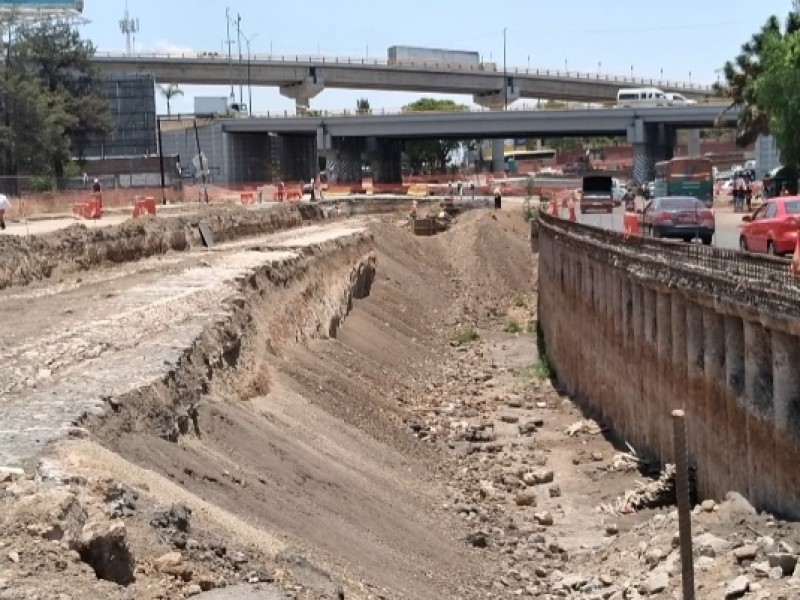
411	55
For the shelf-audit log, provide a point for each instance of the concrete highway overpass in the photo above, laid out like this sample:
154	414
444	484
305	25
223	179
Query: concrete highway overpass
302	78
254	149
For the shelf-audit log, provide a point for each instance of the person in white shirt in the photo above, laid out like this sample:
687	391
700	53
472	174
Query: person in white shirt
4	206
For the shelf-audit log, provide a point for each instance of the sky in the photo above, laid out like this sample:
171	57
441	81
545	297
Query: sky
686	40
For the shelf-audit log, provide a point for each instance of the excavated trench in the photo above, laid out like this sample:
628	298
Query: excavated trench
279	424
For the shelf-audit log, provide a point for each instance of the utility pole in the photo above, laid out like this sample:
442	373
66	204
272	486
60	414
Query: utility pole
230	57
239	43
248	40
505	70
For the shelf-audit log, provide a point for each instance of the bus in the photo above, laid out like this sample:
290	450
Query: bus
529	160
686	176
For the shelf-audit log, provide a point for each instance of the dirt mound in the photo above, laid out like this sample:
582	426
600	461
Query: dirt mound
32	258
491	257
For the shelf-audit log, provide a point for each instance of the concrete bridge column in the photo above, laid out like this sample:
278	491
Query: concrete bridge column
298	158
651	143
786	388
695	378
498	155
344	162
758	394
303	90
387	161
712	460
734	399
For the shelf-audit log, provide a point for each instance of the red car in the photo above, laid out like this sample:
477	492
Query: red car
773	227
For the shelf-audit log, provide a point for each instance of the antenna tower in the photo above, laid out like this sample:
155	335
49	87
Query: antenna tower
129	28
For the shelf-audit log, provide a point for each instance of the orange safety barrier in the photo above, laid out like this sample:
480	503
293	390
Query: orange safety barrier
93	209
247	197
631	223
294	193
144	206
572	216
554	208
795	266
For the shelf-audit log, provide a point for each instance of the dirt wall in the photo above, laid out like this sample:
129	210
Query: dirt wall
635	339
77	248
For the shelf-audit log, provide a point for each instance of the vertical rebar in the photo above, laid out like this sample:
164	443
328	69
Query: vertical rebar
684	502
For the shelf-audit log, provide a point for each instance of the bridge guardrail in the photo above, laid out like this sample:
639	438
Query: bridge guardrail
760	280
478	68
522	108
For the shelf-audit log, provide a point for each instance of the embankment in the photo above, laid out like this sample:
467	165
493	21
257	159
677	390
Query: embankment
636	328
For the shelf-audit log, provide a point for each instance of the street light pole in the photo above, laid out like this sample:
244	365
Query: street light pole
229	41
249	79
239	43
505	70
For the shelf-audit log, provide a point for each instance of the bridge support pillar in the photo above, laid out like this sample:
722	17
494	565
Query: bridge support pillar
693	147
498	155
298	158
302	92
498	100
651	143
345	160
758	396
387	161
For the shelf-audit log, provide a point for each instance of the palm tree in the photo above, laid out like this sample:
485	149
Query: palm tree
169	92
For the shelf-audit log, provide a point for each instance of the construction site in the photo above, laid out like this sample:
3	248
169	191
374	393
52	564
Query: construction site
279	401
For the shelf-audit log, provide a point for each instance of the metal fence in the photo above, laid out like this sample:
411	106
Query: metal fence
757	280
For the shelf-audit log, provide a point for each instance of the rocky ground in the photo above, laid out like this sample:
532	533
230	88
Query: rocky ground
422	451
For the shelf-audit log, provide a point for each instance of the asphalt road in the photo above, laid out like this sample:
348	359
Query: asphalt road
727	224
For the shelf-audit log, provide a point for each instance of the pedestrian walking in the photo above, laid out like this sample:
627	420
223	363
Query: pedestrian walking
498	199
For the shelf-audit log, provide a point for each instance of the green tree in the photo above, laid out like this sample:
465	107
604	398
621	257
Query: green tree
54	55
743	73
363	107
776	93
432	154
169	92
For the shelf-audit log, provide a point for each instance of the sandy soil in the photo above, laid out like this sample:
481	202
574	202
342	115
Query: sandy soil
418	448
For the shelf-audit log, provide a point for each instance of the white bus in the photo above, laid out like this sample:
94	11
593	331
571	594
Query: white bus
630	98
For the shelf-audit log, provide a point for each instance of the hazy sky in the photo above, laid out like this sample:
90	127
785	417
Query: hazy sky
682	37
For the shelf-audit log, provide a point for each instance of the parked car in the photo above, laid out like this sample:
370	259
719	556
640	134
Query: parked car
681	217
773	228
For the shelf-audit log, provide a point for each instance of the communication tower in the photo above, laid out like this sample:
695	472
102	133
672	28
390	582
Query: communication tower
129	28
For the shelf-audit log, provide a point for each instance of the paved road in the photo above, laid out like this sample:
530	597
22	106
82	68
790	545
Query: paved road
727	224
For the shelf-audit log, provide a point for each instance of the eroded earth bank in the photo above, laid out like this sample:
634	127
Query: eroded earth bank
340	410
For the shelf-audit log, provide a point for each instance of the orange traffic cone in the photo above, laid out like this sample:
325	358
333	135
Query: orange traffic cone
572	216
795	268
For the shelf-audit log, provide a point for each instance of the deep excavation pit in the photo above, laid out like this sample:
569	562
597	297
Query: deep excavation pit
284	431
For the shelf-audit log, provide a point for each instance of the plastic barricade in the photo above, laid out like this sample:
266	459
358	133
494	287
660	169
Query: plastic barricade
144	206
630	222
247	197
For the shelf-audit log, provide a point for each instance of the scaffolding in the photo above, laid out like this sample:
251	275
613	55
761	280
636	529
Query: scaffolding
132	102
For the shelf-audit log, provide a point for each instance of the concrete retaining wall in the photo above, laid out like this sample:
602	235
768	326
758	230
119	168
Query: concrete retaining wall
635	334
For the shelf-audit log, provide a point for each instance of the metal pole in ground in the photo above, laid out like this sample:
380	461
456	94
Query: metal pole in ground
684	502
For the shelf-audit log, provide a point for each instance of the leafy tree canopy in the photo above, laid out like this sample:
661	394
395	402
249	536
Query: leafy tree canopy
51	107
758	57
432	155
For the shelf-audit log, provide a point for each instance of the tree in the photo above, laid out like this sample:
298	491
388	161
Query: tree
776	92
432	154
363	107
169	92
742	76
54	56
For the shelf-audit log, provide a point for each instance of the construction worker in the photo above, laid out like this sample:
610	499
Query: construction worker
4	206
498	198
414	209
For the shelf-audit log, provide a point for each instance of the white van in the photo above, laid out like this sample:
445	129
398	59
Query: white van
636	97
679	100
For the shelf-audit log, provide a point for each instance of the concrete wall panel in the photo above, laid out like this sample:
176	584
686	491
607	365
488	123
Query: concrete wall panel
633	349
